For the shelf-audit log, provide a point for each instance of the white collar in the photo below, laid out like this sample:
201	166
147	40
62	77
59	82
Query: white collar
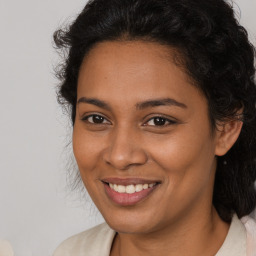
235	242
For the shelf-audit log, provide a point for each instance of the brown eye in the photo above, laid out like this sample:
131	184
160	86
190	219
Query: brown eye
96	119
159	121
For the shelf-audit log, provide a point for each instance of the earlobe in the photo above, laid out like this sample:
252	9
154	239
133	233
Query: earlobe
226	136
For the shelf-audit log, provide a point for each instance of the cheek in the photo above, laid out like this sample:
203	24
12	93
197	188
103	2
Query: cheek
187	153
86	148
187	166
87	153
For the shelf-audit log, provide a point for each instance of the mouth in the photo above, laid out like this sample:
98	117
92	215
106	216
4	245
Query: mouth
127	192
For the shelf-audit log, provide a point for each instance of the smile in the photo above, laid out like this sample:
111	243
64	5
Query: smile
128	192
130	189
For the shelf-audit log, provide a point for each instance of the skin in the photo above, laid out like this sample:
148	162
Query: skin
178	217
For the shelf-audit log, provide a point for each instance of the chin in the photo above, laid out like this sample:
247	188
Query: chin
129	223
128	228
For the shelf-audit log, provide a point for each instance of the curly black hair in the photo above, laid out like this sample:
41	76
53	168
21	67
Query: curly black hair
216	54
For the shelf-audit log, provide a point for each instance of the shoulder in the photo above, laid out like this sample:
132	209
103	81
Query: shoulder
95	241
5	248
250	226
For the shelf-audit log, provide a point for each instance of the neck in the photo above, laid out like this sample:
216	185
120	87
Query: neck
202	235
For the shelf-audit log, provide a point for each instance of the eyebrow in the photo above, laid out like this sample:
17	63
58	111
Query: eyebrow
159	102
139	106
96	102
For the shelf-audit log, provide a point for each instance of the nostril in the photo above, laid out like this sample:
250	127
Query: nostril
124	159
124	150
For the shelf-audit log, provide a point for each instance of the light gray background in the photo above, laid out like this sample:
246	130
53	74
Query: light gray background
37	211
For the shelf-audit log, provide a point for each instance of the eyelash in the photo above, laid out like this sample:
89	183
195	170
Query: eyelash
86	119
105	121
161	119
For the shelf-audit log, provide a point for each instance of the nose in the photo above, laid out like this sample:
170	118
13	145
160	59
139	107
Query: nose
124	150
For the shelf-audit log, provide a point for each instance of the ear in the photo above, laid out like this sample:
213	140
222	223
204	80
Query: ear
226	135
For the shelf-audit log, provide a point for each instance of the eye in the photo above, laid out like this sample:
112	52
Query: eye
96	119
159	121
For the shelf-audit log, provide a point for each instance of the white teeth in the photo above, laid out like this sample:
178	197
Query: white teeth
138	187
145	186
116	187
130	189
121	189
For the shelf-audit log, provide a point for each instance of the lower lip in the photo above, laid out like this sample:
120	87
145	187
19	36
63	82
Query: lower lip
126	199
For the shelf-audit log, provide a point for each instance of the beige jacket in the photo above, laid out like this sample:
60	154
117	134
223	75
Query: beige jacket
240	241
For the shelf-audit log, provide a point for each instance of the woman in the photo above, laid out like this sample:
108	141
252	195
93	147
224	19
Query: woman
162	99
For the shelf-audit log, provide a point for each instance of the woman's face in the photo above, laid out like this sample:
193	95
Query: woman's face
142	137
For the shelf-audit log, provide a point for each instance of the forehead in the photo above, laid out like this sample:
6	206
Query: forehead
130	54
133	71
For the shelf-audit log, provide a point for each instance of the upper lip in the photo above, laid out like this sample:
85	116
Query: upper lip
128	181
